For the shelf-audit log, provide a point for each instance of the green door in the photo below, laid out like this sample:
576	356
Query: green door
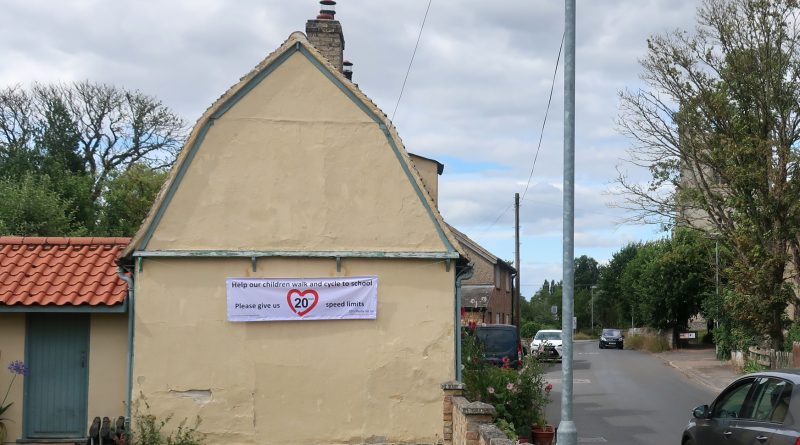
56	390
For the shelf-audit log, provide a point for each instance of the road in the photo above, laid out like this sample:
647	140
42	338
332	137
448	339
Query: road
626	397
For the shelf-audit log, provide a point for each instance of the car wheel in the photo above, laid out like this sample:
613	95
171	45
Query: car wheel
688	442
601	346
619	346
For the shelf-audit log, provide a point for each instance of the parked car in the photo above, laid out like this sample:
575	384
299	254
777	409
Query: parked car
500	341
757	408
611	338
547	344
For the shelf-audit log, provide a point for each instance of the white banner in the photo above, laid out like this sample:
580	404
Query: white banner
272	299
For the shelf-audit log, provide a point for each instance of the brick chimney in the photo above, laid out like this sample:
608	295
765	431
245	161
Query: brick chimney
325	33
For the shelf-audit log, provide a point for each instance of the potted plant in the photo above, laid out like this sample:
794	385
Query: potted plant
542	431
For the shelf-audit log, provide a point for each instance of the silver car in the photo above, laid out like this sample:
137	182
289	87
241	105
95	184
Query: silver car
759	408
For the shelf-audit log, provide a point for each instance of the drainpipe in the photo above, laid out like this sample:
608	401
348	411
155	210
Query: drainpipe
127	279
463	274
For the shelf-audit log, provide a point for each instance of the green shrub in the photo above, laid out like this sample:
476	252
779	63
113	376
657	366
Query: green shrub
792	335
751	365
507	428
147	429
529	329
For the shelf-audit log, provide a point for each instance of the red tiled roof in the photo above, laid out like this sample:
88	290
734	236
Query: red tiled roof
60	271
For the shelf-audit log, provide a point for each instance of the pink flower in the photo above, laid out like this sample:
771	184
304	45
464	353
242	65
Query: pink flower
510	387
549	387
490	390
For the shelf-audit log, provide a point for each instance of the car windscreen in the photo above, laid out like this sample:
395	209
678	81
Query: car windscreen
610	332
548	336
497	340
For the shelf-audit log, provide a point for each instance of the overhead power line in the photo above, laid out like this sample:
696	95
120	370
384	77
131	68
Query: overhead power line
411	63
547	110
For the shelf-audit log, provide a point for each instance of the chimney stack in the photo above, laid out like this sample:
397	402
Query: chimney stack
325	33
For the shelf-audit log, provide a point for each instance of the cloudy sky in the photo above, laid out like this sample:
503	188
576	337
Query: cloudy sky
475	99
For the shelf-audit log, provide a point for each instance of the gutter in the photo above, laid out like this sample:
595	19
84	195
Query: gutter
463	274
129	281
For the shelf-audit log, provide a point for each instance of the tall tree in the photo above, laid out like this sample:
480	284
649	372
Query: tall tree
84	137
719	128
128	199
615	305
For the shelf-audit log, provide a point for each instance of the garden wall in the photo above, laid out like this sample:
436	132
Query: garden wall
468	423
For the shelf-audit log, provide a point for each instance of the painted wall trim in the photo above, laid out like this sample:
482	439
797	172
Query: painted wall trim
252	83
129	281
292	253
115	309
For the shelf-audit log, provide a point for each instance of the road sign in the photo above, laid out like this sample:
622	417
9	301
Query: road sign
553	309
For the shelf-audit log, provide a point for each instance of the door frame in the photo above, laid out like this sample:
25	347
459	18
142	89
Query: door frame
26	407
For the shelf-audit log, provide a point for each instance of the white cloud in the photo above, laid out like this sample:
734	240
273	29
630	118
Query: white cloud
476	94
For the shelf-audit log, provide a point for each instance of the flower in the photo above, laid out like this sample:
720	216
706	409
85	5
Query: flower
490	390
18	367
548	388
510	387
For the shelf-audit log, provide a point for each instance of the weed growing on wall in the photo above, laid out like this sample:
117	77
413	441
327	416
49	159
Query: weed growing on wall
149	430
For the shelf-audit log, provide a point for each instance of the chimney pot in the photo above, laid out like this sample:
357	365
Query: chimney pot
347	69
327	10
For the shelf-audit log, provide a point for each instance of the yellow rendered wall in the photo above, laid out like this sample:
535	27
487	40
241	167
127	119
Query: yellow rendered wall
296	382
296	165
12	347
429	172
108	365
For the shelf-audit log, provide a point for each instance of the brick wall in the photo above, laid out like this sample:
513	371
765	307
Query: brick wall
468	423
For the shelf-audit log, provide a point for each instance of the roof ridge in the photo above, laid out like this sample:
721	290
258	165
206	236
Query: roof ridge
63	241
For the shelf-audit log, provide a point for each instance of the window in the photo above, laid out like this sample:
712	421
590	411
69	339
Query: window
771	399
497	318
730	405
497	281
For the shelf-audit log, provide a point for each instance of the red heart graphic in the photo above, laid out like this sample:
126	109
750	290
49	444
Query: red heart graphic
300	302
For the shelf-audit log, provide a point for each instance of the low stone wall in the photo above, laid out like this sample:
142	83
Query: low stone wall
468	423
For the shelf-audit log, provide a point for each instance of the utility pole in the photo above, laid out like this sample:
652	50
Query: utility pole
591	290
515	303
567	433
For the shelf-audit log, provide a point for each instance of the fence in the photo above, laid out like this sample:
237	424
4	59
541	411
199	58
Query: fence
773	359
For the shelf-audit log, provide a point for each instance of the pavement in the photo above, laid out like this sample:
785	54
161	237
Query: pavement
701	365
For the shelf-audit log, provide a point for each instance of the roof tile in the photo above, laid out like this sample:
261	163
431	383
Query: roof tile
60	271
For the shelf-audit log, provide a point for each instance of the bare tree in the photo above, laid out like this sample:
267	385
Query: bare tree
718	128
117	128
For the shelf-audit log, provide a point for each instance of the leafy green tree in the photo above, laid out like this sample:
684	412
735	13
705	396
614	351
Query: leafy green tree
28	206
613	305
719	129
80	139
129	197
676	280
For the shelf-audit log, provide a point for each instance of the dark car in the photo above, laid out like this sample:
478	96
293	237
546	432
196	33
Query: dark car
611	338
500	341
757	408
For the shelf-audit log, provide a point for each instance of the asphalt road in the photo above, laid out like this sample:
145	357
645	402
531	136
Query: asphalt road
626	397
